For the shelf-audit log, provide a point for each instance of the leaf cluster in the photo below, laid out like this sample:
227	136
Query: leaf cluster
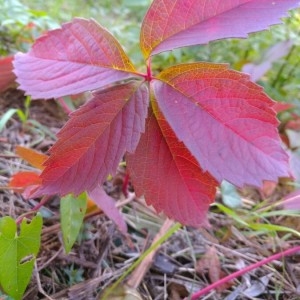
182	129
190	126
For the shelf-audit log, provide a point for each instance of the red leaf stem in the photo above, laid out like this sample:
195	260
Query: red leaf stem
243	271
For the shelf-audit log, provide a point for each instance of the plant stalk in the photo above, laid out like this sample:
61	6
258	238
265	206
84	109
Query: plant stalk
243	271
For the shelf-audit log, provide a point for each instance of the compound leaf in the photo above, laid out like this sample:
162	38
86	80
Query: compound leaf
80	56
171	24
72	212
18	253
226	121
92	143
167	174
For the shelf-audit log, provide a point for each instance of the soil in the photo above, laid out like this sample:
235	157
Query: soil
188	261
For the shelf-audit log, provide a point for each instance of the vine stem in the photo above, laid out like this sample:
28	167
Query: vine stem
149	72
247	269
140	271
64	105
43	201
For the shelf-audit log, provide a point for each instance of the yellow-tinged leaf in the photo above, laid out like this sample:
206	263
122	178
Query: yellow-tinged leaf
91	206
35	158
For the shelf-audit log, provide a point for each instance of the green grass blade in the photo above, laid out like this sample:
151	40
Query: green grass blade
6	117
229	212
273	228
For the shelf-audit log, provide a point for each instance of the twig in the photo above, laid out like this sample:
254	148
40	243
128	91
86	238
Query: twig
139	273
133	266
247	269
6	156
51	259
38	279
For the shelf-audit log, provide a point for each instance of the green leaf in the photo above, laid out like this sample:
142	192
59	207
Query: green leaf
72	212
18	253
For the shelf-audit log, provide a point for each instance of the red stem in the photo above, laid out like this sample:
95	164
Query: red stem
149	73
43	201
125	185
243	271
64	105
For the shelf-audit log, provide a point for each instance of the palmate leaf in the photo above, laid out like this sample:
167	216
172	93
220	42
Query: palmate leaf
165	172
80	56
225	120
92	143
171	24
206	123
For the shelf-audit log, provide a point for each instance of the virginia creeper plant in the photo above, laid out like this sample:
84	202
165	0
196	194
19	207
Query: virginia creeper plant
182	131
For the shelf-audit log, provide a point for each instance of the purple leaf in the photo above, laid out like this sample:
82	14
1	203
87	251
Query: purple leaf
80	56
171	24
226	121
256	71
168	175
92	143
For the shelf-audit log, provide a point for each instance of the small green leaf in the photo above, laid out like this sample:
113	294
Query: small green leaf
72	212
18	253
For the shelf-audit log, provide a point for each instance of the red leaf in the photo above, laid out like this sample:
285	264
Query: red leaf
7	77
165	172
282	106
21	180
294	123
171	24
92	143
80	56
268	188
226	121
108	206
